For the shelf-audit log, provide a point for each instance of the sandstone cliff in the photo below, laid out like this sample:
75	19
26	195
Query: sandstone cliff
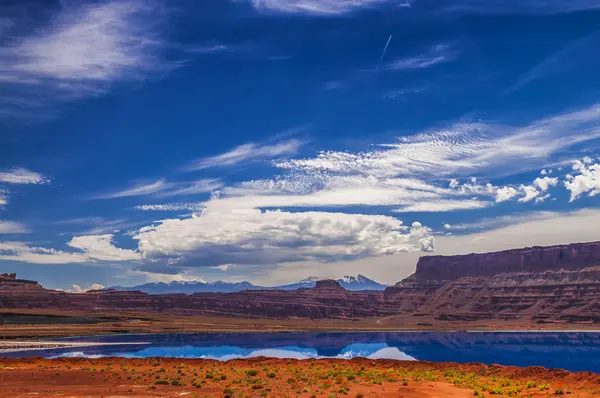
327	300
542	283
532	259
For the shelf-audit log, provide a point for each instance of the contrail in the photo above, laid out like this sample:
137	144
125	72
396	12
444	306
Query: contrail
383	53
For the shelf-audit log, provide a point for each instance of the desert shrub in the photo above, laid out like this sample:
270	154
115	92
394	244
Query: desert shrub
227	393
251	372
161	382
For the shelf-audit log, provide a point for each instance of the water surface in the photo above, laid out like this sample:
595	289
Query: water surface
575	351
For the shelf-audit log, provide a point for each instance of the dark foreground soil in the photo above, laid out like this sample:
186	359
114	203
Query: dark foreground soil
359	377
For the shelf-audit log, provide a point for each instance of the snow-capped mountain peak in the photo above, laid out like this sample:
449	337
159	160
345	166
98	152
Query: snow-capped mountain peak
359	282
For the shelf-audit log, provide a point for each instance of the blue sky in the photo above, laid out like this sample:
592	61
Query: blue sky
272	140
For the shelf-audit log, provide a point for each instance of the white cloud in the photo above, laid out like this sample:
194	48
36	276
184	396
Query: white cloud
100	247
505	193
530	193
138	190
407	174
541	199
79	289
444	205
270	237
81	51
248	153
223	267
586	181
515	231
3	198
447	226
92	248
436	55
172	207
314	7
193	188
163	188
545	183
22	176
322	190
463	149
19	251
512	7
11	227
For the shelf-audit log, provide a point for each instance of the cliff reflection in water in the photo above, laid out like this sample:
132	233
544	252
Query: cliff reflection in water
576	351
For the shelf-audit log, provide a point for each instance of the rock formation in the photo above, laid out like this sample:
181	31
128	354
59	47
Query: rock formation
532	259
539	284
8	277
542	283
328	299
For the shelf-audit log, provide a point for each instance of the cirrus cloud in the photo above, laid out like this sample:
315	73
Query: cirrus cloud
20	175
313	7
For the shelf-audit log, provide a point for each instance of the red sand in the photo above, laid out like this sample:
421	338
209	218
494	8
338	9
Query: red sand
359	377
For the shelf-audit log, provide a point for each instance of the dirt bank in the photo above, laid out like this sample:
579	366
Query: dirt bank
131	322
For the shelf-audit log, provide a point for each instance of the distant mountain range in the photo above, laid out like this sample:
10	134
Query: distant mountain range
353	283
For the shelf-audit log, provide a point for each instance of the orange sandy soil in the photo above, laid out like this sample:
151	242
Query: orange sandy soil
169	323
359	377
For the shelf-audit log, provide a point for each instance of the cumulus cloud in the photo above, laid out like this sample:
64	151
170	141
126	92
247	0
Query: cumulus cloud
248	153
270	237
505	193
530	193
22	176
545	183
79	289
313	7
527	193
585	181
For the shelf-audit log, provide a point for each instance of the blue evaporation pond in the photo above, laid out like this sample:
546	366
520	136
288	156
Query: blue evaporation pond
575	351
